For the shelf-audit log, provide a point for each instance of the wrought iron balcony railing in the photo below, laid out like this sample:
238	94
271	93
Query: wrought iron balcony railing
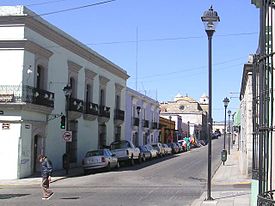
119	114
75	105
145	123
135	121
266	199
28	94
154	125
91	108
104	111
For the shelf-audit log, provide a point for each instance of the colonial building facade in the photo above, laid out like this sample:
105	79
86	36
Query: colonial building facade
193	115
246	130
142	118
39	62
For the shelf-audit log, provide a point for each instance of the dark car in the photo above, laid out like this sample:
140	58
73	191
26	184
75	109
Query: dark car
216	134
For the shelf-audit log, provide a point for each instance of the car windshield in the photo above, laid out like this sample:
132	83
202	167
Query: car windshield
94	153
119	145
155	146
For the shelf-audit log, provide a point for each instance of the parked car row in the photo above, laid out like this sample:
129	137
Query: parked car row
124	151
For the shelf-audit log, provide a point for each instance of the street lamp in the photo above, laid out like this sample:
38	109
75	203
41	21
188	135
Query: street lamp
188	129
229	131
210	19
170	135
67	91
225	103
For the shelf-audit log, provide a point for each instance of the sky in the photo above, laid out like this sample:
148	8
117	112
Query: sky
162	44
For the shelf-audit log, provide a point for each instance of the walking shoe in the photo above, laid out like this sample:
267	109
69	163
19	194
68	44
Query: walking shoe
50	196
44	198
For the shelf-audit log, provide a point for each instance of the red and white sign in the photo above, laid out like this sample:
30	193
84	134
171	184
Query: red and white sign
67	136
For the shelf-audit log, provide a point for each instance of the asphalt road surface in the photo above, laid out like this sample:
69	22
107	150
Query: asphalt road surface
173	180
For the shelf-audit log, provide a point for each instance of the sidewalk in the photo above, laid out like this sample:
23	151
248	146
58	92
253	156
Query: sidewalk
36	180
228	175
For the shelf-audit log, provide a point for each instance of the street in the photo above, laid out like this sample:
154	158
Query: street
173	180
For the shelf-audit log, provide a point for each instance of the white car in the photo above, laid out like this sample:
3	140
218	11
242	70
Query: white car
125	151
154	152
167	150
158	146
96	159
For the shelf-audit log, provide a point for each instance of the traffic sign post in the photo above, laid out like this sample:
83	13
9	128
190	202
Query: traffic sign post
67	136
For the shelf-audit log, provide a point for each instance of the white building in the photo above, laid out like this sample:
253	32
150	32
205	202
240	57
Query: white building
37	61
246	130
193	114
142	118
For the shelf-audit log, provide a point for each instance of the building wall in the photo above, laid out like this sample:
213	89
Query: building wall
246	126
148	109
9	142
61	57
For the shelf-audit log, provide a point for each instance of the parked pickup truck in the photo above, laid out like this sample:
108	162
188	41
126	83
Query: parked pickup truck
125	151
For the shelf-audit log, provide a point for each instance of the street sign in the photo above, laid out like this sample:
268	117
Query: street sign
67	136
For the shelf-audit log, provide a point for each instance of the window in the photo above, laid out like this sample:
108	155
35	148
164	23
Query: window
102	97
117	102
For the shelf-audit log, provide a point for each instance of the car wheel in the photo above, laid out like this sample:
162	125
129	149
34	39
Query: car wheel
86	172
131	161
140	158
109	167
143	158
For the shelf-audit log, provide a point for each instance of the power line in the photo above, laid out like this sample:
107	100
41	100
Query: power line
191	69
173	38
76	8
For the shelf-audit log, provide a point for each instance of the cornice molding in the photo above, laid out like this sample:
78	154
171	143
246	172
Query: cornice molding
119	87
103	80
74	67
25	45
89	74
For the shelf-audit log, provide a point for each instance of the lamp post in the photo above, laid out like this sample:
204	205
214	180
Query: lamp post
67	91
170	133
210	19
137	137
225	103
188	129
229	131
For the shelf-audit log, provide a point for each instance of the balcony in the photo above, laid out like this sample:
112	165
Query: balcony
18	94
135	121
145	123
154	125
91	111
118	116
75	105
75	108
104	113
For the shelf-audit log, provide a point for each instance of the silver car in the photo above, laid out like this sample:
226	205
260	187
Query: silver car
98	159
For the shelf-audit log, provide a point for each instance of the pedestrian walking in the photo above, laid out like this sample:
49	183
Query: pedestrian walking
46	173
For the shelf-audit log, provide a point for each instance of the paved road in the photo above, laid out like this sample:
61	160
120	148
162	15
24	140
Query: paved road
174	180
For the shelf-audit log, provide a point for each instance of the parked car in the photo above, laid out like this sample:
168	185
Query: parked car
175	148
97	159
167	150
216	134
180	147
145	153
125	151
183	144
154	152
158	146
